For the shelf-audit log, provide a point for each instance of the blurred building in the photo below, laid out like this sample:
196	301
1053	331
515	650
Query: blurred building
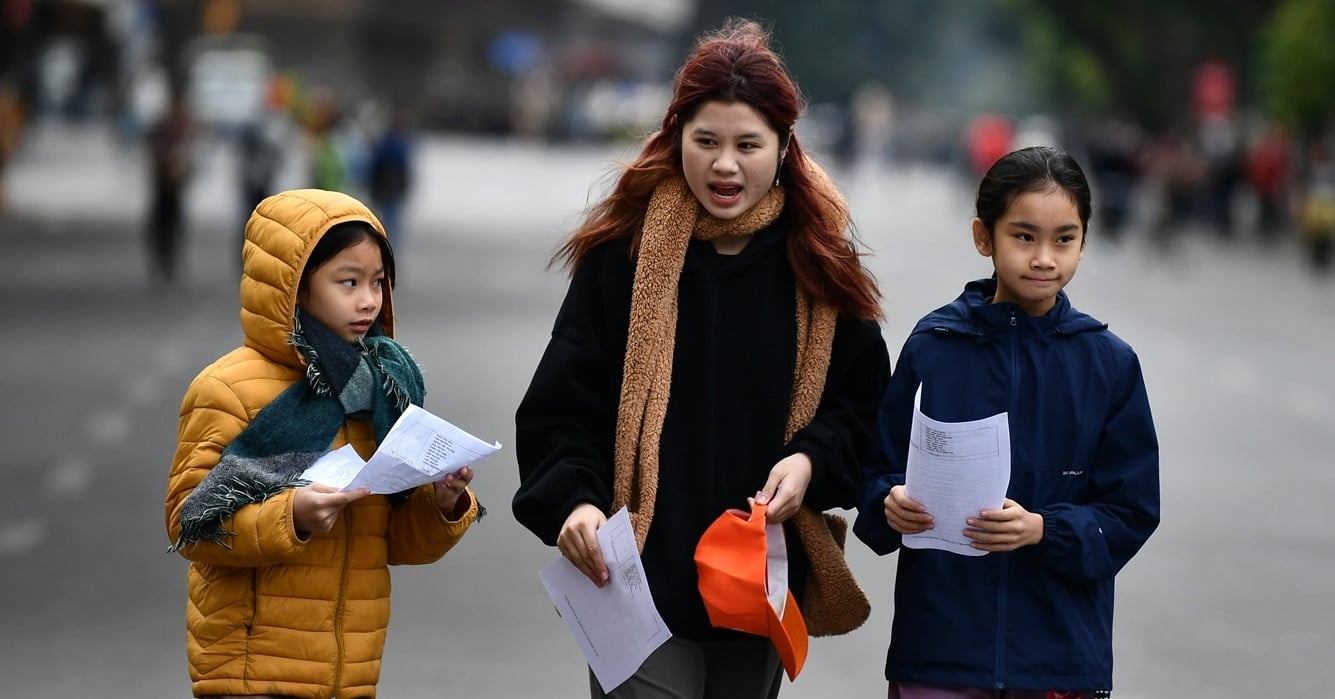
505	66
59	55
546	68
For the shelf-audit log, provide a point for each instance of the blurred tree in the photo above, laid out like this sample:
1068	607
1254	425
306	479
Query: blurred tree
943	52
827	45
1298	65
1135	57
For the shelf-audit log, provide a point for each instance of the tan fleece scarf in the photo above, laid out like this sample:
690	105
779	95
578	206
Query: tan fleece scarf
674	216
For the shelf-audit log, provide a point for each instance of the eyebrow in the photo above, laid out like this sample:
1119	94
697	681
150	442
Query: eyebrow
1064	228
350	267
710	132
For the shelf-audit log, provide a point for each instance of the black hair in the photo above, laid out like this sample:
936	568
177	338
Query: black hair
342	237
1034	169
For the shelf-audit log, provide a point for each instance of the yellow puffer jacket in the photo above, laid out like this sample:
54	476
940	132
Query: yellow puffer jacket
275	614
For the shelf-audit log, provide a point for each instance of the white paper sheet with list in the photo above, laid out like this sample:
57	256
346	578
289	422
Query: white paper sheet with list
616	626
419	448
956	470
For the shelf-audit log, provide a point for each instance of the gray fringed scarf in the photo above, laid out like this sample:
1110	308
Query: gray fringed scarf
373	379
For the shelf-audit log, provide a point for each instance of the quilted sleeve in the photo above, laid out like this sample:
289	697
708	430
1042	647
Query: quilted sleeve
419	532
211	416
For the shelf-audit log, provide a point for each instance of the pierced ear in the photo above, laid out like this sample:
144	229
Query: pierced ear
982	238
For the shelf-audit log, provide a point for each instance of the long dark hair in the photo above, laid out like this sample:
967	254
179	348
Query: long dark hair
736	65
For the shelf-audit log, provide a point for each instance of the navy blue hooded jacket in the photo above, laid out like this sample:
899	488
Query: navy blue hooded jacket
1084	455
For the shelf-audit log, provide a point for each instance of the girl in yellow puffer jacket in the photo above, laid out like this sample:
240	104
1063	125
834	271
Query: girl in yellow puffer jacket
289	582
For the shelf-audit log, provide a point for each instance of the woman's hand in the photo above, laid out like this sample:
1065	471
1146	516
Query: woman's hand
578	542
1006	529
452	493
786	487
315	507
904	514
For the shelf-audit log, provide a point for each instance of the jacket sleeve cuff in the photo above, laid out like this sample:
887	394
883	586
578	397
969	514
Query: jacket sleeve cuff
287	542
827	490
470	514
870	526
1073	543
545	516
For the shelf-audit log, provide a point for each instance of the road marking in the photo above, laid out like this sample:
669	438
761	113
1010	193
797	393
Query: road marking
145	388
69	476
109	427
72	475
170	358
18	538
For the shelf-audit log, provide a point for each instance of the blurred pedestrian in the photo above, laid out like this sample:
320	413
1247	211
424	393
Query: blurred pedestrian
328	169
260	150
1221	151
1268	176
986	138
872	115
1114	151
1318	206
262	144
1028	614
170	157
390	175
1176	174
719	342
289	580
12	119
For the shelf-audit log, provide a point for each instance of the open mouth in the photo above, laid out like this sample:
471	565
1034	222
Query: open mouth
725	193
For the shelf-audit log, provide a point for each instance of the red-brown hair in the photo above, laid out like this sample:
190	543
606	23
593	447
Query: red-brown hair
736	64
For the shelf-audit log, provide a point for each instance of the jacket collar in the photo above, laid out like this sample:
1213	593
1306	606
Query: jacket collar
971	313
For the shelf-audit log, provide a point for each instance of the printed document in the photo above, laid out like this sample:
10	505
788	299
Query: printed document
956	470
617	626
420	448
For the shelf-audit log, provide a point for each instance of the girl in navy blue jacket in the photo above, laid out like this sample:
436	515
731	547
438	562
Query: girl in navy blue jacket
1033	618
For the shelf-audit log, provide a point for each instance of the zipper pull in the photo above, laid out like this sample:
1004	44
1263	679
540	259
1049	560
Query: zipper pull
1012	318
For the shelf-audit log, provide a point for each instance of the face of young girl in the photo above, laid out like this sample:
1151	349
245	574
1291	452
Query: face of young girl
730	155
1035	248
346	292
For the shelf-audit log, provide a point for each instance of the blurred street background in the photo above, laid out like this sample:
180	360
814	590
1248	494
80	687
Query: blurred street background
136	136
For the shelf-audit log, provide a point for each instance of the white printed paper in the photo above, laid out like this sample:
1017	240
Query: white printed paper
420	448
956	470
617	626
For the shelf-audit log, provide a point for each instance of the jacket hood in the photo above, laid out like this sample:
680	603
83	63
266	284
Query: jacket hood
972	313
280	235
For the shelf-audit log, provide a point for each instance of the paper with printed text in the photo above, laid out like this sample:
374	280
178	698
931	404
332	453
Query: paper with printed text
956	470
616	626
420	448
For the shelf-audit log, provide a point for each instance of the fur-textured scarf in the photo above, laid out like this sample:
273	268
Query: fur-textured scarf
374	379
833	602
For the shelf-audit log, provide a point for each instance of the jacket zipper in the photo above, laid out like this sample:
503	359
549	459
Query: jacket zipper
1001	625
341	603
1001	577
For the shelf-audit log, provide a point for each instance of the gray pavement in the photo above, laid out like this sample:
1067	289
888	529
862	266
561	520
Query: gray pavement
1231	598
